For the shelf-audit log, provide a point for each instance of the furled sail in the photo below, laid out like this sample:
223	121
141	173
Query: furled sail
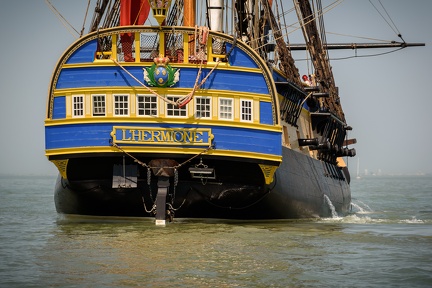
132	12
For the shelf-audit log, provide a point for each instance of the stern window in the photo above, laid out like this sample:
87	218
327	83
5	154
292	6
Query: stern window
225	108
147	105
174	110
121	105
98	105
202	107
78	106
246	110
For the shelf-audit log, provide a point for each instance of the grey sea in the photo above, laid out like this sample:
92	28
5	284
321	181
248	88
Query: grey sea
385	242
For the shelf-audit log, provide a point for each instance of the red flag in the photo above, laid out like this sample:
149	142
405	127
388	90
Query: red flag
132	12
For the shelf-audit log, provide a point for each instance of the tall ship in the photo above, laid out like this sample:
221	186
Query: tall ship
199	113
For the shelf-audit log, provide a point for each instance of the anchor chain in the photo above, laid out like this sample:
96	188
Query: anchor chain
175	185
171	210
149	183
152	210
210	147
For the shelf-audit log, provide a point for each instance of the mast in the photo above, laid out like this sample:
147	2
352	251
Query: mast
189	12
286	61
99	12
215	14
110	9
319	56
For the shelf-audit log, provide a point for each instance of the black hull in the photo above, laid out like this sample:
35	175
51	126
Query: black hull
298	191
302	185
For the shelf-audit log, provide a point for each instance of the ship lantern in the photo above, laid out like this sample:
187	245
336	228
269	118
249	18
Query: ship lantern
160	9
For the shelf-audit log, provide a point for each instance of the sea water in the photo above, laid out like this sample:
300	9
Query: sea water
385	242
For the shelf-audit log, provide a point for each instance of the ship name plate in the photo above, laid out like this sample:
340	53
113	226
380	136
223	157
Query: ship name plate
165	136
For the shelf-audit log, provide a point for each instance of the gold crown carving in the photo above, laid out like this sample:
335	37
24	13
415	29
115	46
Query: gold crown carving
161	60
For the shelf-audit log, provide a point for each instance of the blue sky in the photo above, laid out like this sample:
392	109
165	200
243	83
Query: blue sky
386	99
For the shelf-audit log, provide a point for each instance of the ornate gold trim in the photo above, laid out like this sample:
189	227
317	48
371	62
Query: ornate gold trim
61	166
268	171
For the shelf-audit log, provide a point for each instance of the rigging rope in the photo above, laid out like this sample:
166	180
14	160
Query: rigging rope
326	9
142	84
368	55
85	18
360	37
182	101
394	28
63	20
202	40
138	14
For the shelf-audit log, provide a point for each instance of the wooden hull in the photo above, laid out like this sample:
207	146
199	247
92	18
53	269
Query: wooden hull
217	134
297	192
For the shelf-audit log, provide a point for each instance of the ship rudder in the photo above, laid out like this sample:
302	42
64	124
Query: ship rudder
161	211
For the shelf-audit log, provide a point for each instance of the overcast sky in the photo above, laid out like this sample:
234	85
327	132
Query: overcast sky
386	99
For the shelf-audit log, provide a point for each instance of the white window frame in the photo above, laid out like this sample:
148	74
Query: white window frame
144	109
243	113
170	107
221	106
95	107
199	111
76	109
114	105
